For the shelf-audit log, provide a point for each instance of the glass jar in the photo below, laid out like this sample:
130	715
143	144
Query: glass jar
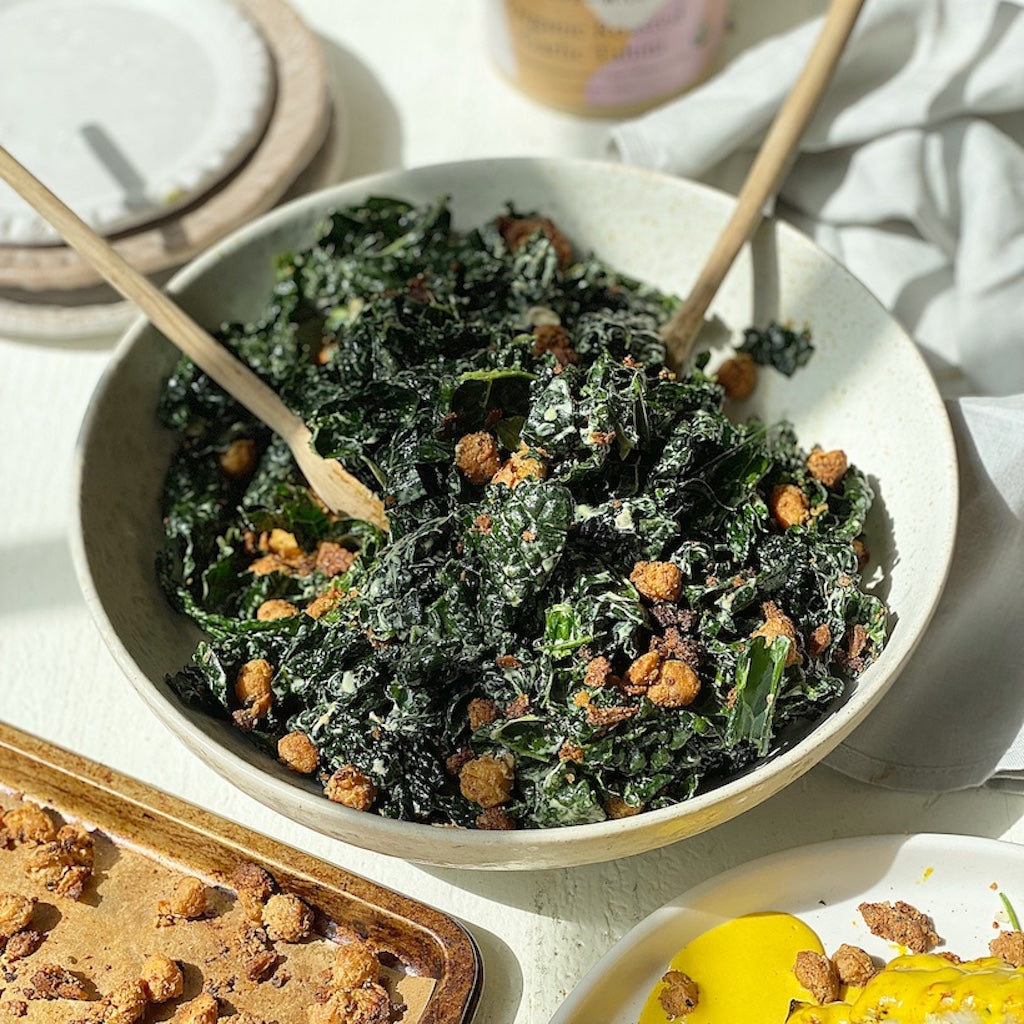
605	57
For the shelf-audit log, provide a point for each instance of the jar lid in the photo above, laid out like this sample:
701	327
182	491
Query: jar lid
126	109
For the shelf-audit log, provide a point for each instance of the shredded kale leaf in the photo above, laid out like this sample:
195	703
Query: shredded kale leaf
777	346
574	531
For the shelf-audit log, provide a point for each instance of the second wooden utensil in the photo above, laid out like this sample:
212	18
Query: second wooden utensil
340	490
765	176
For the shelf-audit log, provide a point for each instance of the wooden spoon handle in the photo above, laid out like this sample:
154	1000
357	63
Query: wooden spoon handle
230	373
765	175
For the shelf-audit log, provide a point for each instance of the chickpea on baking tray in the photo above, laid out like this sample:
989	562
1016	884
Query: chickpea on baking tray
198	948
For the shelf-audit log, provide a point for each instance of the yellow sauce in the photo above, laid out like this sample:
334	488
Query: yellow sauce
914	986
744	971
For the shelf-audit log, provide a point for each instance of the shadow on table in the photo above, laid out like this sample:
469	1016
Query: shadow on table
568	893
37	575
366	114
502	991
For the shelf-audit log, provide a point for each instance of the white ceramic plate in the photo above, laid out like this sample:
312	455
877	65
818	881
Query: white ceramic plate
128	109
866	390
68	318
954	879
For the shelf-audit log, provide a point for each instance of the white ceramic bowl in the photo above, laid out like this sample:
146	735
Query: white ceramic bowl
866	390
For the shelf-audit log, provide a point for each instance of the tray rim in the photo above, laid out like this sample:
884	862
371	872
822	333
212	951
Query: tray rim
99	796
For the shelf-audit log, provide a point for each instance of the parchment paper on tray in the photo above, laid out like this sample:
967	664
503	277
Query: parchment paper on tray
121	904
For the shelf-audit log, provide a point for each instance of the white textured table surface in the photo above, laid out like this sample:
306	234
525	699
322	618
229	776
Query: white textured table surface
419	89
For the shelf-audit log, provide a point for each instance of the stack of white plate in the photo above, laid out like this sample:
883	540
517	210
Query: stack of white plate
164	124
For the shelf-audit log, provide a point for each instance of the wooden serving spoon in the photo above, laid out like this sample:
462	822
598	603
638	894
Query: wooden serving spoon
764	177
340	490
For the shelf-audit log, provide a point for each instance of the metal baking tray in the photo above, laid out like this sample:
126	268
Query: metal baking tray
144	836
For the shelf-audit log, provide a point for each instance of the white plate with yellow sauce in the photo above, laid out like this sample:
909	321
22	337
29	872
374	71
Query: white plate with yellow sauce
956	880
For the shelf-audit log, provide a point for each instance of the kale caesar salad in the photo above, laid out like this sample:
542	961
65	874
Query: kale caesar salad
598	594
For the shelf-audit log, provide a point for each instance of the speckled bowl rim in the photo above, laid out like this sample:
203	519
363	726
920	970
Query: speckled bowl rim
566	845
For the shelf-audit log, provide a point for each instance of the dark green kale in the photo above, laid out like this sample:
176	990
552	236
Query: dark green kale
780	347
575	532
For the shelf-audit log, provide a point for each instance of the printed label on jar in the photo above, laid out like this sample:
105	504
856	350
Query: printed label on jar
605	56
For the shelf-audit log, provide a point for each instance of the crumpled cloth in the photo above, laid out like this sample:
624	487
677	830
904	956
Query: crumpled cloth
911	173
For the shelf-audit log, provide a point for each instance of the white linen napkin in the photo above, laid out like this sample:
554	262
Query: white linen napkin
912	174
